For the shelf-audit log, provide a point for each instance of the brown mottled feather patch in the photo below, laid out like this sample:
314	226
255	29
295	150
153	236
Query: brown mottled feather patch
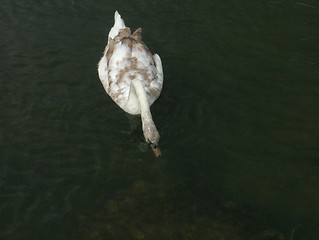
137	35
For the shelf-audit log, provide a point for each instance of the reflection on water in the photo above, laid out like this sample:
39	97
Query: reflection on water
238	118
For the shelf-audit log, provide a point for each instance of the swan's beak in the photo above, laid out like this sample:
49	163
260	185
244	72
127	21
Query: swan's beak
156	150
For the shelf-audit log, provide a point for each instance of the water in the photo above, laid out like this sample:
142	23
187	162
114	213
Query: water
238	117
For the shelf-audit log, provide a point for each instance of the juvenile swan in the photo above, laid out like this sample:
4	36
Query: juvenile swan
132	76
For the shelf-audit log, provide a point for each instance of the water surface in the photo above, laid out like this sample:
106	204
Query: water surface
238	118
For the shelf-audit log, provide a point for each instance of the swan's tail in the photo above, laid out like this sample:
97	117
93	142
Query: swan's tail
118	25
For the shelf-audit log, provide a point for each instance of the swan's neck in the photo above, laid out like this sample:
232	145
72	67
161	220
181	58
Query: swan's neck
149	129
141	95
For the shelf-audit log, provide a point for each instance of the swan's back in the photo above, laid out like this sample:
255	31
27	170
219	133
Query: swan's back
125	58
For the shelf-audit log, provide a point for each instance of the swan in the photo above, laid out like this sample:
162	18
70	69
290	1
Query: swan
132	76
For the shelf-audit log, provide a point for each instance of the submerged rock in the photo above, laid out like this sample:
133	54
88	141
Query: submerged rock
148	211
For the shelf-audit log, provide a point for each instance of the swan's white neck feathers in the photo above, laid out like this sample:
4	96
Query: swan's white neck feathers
149	129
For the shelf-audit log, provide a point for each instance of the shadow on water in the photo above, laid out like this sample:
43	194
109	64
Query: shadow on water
238	118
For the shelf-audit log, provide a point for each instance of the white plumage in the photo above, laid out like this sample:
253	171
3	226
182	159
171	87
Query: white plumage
131	75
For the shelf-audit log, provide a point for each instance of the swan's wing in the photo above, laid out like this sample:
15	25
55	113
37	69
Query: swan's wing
114	67
137	34
103	70
156	82
146	67
103	63
159	68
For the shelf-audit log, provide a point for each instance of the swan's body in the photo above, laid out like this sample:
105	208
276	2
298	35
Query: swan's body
131	75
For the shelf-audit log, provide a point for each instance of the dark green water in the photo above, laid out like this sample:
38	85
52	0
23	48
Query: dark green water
238	117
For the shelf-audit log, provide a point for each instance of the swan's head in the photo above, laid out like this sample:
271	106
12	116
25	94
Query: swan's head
150	133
